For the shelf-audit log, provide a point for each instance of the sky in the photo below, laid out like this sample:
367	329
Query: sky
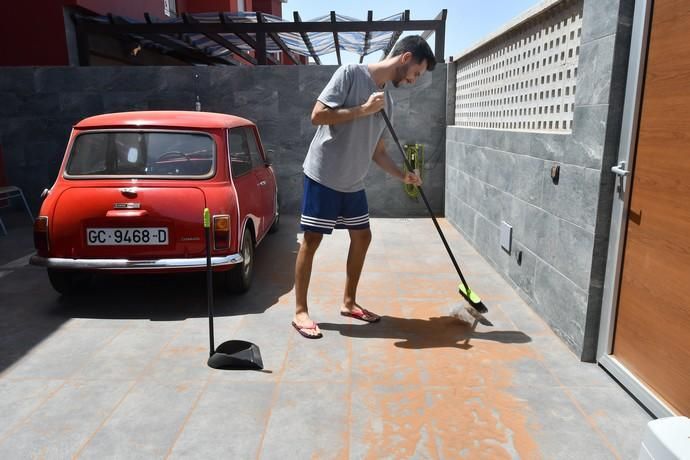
467	22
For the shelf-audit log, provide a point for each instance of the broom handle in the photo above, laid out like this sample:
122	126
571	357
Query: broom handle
426	202
209	284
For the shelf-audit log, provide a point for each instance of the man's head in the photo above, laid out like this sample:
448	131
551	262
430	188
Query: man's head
414	58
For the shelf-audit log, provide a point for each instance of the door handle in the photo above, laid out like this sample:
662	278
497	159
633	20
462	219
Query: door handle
620	171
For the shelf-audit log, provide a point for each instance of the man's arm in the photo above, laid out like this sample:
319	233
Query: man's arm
386	163
324	115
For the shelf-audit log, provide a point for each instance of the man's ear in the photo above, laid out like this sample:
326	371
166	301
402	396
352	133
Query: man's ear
405	57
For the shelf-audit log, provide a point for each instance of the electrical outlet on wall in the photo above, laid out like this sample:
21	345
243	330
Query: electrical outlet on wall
506	236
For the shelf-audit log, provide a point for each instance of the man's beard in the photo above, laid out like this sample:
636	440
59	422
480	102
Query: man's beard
400	74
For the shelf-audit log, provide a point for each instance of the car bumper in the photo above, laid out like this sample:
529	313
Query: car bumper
130	264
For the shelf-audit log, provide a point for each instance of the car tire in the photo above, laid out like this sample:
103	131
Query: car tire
276	220
239	279
68	282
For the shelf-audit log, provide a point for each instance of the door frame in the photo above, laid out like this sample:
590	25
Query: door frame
619	214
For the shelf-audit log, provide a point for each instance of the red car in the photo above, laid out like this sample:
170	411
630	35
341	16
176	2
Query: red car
131	193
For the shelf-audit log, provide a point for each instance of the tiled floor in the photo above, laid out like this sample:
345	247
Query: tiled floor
120	372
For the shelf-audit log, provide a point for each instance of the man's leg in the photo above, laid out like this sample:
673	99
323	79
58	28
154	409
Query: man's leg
359	243
305	259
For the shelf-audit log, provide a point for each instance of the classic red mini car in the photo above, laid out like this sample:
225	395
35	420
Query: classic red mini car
131	193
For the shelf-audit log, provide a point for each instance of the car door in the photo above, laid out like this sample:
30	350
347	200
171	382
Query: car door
264	179
244	179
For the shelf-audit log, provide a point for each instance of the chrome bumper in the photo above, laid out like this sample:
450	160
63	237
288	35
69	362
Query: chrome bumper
127	264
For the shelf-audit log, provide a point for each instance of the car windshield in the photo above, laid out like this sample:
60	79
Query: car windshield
142	153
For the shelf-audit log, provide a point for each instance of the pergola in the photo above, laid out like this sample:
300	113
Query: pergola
250	38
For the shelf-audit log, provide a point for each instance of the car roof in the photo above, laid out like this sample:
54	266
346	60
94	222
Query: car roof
164	118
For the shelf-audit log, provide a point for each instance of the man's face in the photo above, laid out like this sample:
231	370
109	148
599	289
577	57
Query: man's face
408	71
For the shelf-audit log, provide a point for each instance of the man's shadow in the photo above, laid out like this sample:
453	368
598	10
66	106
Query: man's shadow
434	332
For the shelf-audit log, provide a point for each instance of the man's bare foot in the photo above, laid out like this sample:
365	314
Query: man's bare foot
306	327
358	312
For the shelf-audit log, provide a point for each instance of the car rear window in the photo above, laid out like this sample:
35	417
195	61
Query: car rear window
142	153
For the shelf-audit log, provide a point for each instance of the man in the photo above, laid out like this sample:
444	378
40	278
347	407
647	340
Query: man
348	138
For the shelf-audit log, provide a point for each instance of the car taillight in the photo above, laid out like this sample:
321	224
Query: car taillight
41	237
221	232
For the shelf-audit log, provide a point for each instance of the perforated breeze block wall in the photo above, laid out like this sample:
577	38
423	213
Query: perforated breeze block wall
546	92
529	84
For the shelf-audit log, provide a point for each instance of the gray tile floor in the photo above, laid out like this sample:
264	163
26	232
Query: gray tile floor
120	372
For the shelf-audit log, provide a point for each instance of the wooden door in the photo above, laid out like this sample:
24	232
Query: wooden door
652	335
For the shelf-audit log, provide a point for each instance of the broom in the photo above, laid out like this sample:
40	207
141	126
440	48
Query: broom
476	306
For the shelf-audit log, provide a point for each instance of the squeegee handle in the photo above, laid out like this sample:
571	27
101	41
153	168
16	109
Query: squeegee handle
426	202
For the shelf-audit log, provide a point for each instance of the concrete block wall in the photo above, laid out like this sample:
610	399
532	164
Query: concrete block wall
40	105
560	227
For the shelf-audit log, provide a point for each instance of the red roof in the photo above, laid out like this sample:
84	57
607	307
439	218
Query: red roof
164	118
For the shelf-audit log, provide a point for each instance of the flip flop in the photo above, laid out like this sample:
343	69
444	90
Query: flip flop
301	329
363	314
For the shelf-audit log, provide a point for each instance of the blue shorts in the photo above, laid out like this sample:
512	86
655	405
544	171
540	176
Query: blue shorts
324	209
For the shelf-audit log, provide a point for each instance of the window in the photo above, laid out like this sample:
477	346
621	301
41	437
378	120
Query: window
240	156
142	153
254	148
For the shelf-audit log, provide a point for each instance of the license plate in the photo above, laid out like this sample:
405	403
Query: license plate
140	236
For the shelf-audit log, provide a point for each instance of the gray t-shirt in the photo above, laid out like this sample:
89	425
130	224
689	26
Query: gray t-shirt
340	155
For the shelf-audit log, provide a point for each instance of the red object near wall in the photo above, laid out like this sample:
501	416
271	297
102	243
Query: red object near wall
46	44
134	10
205	6
273	7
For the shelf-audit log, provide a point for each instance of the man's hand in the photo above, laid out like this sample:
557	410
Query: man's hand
375	103
412	179
324	115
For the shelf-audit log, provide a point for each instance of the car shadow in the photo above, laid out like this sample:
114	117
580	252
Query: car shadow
31	310
177	296
419	333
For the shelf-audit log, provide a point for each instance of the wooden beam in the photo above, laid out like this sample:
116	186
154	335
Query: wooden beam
244	37
334	22
367	36
83	51
220	40
261	47
306	40
244	27
440	16
277	40
440	39
395	36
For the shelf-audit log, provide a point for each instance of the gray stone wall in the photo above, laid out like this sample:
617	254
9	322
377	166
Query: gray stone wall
40	105
560	228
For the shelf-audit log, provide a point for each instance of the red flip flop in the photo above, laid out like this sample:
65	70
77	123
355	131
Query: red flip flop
363	314
301	329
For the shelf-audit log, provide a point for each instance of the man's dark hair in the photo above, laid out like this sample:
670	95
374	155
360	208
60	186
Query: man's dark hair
419	48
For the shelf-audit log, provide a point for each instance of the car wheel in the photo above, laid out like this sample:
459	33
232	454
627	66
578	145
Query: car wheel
276	221
68	282
240	277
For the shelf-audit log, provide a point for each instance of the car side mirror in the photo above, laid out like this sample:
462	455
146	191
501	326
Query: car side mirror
269	157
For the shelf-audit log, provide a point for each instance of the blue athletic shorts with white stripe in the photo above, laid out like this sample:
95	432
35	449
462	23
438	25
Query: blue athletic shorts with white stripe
324	209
